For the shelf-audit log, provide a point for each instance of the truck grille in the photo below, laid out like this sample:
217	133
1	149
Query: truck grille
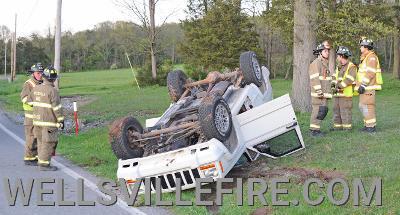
168	180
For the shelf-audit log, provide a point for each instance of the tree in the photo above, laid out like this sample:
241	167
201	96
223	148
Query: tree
216	40
4	36
396	42
303	44
145	14
198	8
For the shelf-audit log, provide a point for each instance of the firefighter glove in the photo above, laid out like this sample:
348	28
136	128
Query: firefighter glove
361	89
62	125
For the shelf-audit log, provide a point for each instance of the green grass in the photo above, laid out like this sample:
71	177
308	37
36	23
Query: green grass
355	154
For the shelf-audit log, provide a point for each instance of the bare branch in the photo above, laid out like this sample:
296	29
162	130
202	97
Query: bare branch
165	21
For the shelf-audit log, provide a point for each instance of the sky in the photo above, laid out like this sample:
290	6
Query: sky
36	16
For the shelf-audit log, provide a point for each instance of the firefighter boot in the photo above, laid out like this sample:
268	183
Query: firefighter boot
370	129
30	162
316	133
47	168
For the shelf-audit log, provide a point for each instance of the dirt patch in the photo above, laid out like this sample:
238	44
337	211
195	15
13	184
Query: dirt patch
262	211
260	169
299	174
95	161
67	102
68	109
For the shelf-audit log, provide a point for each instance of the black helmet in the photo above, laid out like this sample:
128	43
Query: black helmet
343	50
50	73
366	42
321	47
38	67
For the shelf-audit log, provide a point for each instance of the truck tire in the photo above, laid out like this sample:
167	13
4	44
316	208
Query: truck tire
215	117
121	137
175	81
251	68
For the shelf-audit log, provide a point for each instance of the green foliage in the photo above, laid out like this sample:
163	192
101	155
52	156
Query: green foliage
195	73
345	23
28	54
198	8
144	74
216	40
103	47
280	18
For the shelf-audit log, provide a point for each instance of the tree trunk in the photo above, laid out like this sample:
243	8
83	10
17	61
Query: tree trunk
173	54
287	75
152	8
205	4
270	35
390	53
303	44
385	50
5	59
396	57
396	44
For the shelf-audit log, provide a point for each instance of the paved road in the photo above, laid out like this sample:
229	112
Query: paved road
12	167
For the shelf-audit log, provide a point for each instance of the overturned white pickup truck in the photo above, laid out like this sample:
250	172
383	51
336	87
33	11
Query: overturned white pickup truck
208	127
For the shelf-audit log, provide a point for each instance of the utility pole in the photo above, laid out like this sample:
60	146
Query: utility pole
57	42
5	58
14	55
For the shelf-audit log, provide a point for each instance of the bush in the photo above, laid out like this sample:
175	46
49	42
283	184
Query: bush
144	74
194	73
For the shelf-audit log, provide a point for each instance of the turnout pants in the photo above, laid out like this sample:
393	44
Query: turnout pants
342	116
46	143
30	144
367	108
316	103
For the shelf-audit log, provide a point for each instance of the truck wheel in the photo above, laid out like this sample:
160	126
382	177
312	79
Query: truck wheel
215	117
122	134
175	81
250	68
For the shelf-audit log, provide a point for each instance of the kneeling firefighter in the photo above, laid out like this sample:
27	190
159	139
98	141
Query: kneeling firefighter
47	118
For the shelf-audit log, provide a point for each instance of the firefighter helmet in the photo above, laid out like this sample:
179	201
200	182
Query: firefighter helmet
366	42
50	73
321	47
343	50
38	67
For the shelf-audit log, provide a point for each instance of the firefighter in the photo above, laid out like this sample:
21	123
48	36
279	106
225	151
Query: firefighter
342	88
47	113
369	79
320	83
30	157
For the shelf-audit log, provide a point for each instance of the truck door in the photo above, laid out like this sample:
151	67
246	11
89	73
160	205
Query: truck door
271	129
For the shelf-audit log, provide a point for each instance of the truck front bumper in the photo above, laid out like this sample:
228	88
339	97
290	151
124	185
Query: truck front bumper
204	160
